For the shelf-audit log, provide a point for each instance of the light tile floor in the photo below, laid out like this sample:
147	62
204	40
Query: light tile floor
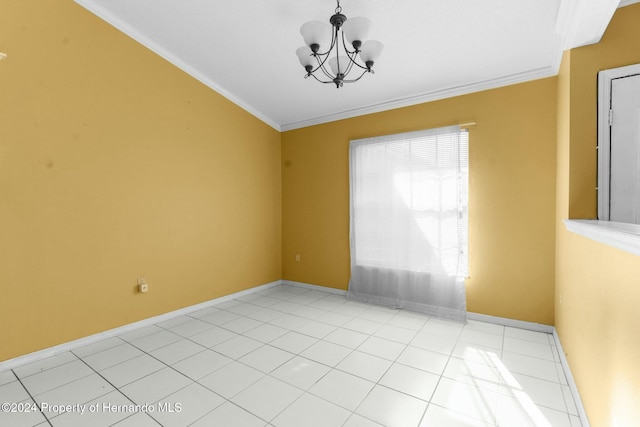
292	356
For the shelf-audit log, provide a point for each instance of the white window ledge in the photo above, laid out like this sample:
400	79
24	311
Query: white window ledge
617	234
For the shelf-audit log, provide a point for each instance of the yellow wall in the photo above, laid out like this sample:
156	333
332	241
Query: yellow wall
511	206
114	164
597	287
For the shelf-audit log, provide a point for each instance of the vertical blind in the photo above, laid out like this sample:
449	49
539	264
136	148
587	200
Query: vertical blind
409	220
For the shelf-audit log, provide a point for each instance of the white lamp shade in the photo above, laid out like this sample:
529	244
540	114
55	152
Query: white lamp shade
356	28
333	63
371	50
304	55
315	32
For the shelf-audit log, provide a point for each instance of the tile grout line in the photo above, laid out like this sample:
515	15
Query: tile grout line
32	398
429	403
87	340
266	374
317	339
335	368
187	377
115	389
299	354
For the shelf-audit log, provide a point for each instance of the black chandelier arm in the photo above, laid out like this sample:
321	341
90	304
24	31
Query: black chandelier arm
322	57
359	77
352	61
321	60
344	62
321	81
352	54
344	81
334	40
346	47
327	73
322	67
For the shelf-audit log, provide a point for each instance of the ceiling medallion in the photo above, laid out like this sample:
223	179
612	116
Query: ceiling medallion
341	59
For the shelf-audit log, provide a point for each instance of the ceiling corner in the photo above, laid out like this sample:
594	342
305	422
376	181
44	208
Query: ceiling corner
583	22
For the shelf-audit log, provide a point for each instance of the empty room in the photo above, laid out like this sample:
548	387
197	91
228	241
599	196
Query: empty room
319	213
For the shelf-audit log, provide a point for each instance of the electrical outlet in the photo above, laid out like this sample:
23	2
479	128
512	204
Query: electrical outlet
143	287
298	258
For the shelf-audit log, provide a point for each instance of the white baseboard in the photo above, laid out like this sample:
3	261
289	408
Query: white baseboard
81	342
316	287
521	324
51	351
538	327
572	383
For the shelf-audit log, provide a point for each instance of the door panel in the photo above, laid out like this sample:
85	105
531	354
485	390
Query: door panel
624	192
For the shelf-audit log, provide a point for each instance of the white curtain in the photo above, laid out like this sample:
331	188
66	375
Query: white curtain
409	219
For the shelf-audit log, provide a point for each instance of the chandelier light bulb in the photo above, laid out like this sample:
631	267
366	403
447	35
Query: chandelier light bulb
356	31
315	34
338	64
371	50
305	56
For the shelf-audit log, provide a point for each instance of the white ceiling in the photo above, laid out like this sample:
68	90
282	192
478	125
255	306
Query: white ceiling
245	49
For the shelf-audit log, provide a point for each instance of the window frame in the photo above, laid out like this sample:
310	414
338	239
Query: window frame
405	136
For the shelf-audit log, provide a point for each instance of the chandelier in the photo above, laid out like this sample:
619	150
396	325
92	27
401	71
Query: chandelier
340	57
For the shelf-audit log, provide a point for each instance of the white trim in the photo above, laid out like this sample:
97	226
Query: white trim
511	79
116	22
617	234
581	22
504	321
605	79
567	26
61	348
315	287
538	327
584	420
604	143
624	3
132	32
38	355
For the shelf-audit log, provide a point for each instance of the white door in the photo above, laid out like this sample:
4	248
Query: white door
624	185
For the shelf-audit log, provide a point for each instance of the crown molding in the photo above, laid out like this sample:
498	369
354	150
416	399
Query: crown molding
429	97
136	35
582	22
578	24
624	3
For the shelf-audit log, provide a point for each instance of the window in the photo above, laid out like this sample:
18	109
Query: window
409	218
